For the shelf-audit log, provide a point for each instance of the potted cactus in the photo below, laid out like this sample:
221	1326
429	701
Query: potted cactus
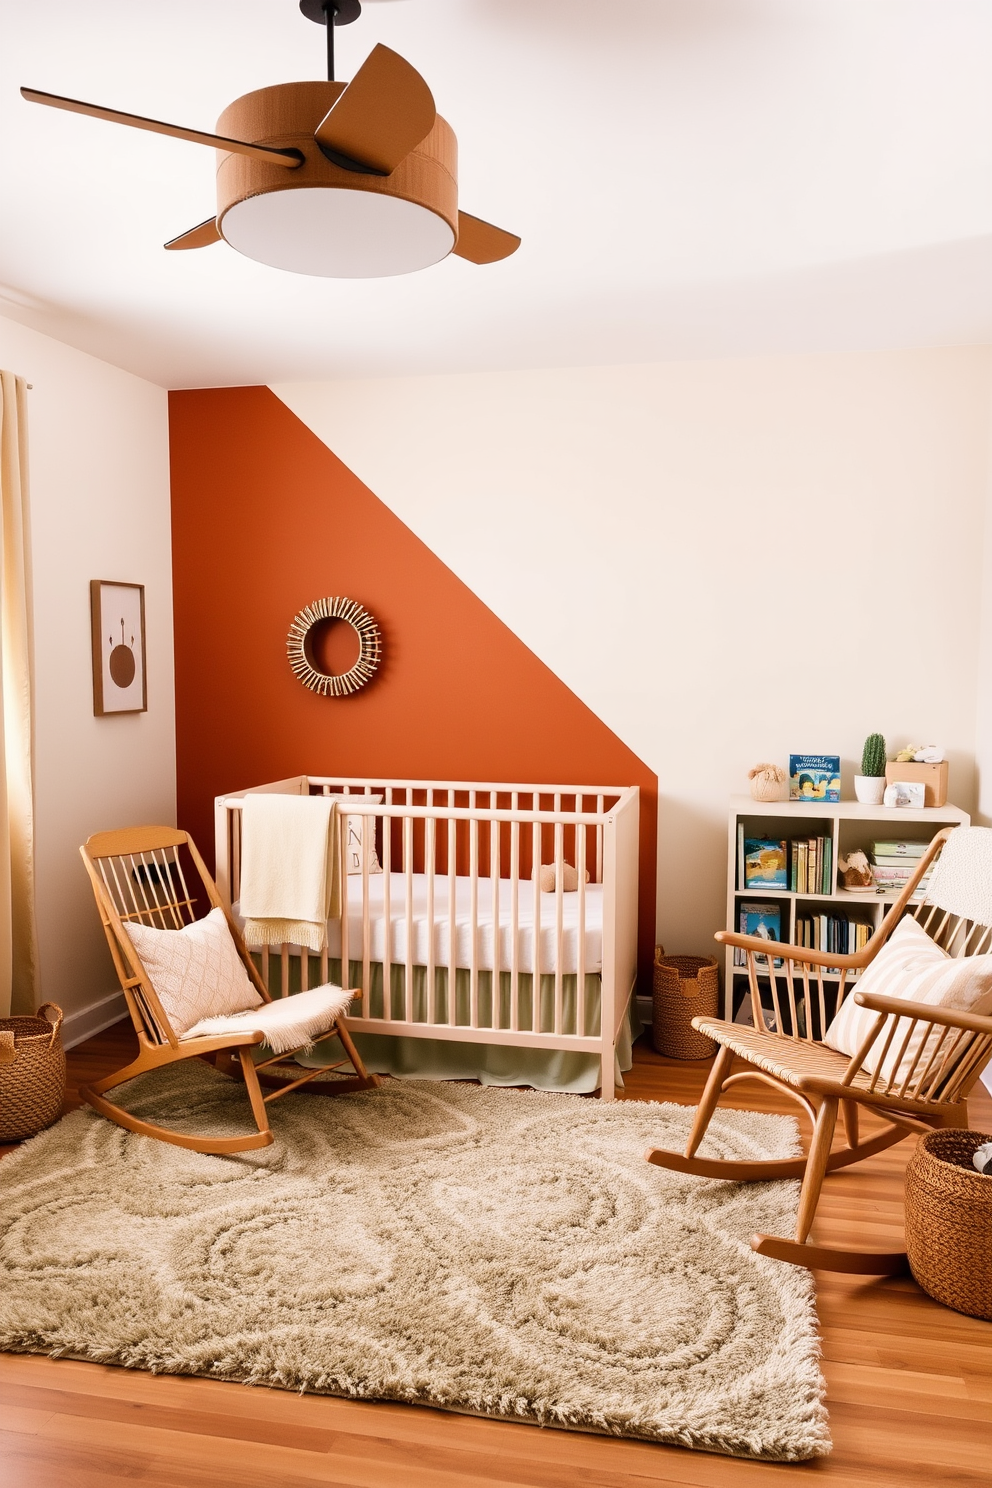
869	786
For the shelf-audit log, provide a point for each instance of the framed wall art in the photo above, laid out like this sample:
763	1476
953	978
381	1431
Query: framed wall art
117	614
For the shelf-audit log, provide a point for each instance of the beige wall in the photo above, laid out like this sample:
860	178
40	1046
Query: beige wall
983	751
99	509
726	560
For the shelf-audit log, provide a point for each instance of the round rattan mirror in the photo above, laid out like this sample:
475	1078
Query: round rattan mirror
299	647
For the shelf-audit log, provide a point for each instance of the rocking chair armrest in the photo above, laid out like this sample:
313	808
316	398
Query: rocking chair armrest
210	1043
924	1012
795	953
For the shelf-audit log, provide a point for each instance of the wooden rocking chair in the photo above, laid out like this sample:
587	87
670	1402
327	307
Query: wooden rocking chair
794	1059
137	875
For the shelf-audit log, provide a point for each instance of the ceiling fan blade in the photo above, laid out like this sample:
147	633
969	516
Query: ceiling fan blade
291	158
481	243
385	111
198	237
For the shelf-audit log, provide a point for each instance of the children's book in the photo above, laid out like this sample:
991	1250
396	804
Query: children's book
763	920
910	850
814	777
764	863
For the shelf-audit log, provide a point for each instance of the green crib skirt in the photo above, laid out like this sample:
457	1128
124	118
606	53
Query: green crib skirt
450	1059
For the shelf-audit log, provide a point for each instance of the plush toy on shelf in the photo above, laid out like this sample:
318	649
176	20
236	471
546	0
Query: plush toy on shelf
921	754
855	872
767	782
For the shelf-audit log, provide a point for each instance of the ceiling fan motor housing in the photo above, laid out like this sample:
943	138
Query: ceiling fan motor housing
320	218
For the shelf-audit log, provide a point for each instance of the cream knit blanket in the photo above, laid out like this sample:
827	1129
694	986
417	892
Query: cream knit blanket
290	860
962	878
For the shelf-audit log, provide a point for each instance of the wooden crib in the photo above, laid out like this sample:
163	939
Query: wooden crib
453	939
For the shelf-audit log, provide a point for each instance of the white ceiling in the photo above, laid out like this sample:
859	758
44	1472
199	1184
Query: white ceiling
690	178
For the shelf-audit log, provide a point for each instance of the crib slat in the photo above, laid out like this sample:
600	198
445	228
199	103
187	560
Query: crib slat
515	923
599	840
495	1020
387	910
473	927
235	826
452	913
535	1007
430	867
559	916
408	872
580	949
344	877
368	847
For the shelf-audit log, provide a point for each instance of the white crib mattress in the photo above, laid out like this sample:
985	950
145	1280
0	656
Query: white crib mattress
486	936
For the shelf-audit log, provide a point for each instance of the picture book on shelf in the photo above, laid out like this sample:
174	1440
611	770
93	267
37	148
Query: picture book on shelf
814	777
762	920
764	863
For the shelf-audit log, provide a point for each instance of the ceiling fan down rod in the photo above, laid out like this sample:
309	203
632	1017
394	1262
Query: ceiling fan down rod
330	11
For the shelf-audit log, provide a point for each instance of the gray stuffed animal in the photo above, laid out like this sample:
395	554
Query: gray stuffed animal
983	1159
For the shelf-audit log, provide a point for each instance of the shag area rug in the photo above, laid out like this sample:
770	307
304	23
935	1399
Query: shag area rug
485	1250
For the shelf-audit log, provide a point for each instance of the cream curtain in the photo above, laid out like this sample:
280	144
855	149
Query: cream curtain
18	939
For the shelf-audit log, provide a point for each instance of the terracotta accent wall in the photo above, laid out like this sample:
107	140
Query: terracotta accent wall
265	519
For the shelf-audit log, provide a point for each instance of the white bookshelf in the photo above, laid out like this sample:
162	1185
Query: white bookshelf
849	825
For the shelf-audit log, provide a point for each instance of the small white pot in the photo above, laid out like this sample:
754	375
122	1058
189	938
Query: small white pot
869	789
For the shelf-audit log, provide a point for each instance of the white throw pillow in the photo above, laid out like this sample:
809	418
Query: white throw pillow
353	837
911	966
196	971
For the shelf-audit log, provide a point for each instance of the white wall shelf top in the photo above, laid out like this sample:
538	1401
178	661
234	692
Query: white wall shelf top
883	816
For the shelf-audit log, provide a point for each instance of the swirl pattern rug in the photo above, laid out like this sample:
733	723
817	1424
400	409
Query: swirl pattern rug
485	1250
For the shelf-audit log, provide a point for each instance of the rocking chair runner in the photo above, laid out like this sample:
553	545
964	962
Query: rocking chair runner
137	875
956	912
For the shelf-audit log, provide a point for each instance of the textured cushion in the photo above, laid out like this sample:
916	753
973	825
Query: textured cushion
353	838
911	966
196	971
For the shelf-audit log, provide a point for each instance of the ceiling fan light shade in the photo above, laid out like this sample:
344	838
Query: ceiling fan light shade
337	233
334	222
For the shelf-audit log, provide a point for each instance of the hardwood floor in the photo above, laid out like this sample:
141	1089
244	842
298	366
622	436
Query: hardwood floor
909	1386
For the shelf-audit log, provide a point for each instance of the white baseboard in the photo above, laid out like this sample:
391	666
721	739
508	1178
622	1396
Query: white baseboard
93	1019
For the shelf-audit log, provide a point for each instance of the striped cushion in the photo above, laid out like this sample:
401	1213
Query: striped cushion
911	966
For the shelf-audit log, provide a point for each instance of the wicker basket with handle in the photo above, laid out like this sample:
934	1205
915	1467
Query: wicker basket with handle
685	987
949	1221
32	1073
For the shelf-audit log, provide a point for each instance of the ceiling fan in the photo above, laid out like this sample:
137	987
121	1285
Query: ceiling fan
346	180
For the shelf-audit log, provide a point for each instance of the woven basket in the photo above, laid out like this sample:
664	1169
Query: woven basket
32	1082
685	987
949	1221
